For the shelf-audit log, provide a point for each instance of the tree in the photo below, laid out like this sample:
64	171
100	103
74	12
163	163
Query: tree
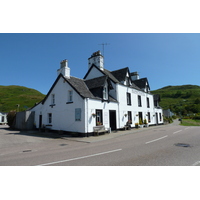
197	101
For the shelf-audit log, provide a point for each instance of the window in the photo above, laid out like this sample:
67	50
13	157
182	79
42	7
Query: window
128	98
105	93
70	98
160	116
129	117
148	105
3	119
127	80
78	114
149	117
53	99
139	101
99	119
49	118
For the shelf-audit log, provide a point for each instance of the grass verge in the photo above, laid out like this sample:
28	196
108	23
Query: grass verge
190	122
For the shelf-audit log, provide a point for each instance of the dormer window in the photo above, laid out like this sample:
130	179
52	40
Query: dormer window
105	92
127	81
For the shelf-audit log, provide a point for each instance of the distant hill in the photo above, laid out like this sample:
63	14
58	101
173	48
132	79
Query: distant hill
11	96
182	99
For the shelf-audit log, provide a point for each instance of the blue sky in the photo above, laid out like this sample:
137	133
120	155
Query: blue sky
32	60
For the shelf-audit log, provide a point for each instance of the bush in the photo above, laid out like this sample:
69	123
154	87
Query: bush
197	117
168	119
174	117
11	118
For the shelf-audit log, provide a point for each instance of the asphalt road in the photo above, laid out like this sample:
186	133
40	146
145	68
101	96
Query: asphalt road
167	145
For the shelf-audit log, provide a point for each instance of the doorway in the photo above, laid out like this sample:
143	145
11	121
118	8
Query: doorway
112	116
140	116
156	118
40	121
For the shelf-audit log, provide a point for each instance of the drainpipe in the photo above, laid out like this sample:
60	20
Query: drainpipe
118	106
87	116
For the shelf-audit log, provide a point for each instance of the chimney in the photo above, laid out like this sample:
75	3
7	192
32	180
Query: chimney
134	76
64	69
96	59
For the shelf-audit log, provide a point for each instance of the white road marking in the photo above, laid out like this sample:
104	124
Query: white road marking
196	163
78	158
177	131
156	139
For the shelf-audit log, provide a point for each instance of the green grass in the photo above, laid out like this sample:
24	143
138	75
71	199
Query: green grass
182	99
10	96
190	122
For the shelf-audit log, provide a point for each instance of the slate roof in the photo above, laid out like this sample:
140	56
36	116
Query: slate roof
80	87
120	74
83	87
77	84
96	82
110	75
141	83
116	76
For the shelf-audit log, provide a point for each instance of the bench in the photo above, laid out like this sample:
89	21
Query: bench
126	127
99	129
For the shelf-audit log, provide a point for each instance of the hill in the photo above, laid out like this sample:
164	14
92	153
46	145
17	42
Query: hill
183	99
11	96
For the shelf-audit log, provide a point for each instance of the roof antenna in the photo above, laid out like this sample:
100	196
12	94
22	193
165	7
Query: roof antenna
103	44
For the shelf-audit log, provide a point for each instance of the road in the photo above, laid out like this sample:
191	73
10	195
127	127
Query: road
167	145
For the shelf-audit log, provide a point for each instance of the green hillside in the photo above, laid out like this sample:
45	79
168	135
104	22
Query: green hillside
11	96
182	100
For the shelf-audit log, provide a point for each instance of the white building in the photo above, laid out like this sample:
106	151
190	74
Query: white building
3	118
109	98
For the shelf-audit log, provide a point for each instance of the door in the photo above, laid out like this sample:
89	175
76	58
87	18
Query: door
156	118
112	116
140	116
40	121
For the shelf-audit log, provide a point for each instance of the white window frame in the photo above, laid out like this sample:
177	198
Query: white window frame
53	99
105	92
70	97
148	102
128	96
49	118
139	101
77	114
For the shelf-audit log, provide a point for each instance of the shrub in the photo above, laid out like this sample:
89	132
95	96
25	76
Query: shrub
197	117
11	118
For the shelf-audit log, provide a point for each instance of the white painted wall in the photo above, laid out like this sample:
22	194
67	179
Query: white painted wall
3	118
105	107
63	114
94	73
134	108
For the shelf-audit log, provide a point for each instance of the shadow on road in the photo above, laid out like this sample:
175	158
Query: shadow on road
33	133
